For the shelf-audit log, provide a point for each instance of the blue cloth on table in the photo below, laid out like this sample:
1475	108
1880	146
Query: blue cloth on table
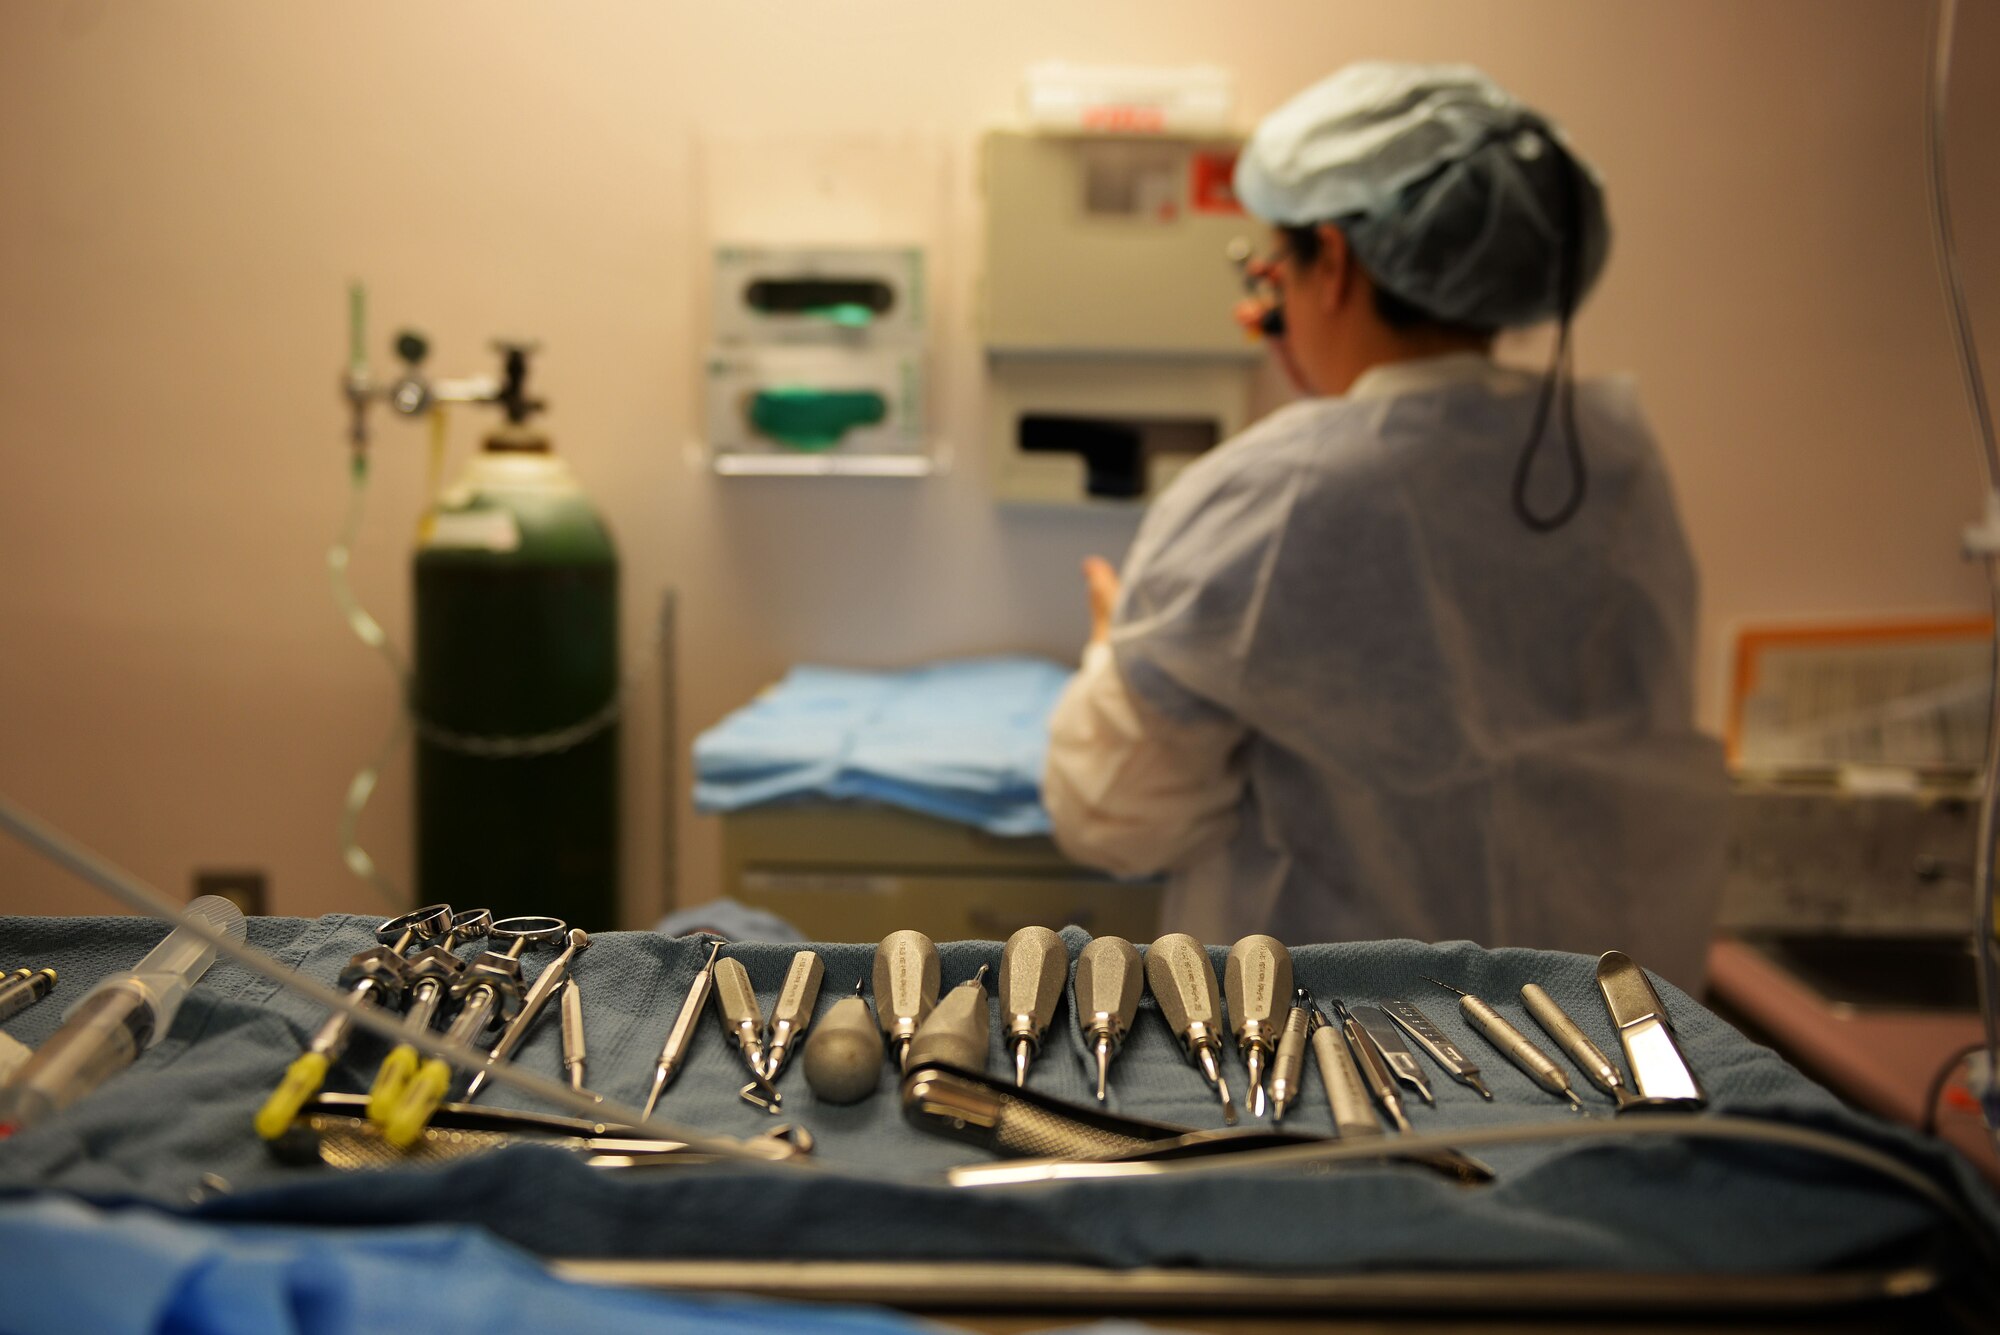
729	919
70	1267
184	1109
963	741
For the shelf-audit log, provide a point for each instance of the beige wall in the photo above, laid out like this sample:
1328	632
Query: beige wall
188	185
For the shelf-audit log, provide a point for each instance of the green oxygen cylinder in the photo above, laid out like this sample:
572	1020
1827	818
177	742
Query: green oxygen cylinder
515	689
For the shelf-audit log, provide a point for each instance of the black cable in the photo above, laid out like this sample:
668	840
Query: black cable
1939	1081
1560	383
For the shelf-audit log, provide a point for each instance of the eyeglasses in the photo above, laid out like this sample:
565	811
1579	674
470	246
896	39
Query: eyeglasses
1262	310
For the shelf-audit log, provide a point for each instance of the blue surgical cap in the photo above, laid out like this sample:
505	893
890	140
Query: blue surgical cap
1454	196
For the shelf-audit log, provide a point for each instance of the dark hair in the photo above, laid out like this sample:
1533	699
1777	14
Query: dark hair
1304	244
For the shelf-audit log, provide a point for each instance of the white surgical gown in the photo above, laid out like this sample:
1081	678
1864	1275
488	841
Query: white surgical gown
1350	696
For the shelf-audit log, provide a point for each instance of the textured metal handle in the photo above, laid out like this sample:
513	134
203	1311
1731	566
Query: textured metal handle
1108	979
1346	1097
800	993
1289	1065
906	981
736	999
1034	965
1037	1133
1183	982
1257	981
959	1032
1513	1044
1589	1058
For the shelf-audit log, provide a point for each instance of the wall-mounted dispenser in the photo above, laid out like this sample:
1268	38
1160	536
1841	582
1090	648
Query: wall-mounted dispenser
1112	359
817	364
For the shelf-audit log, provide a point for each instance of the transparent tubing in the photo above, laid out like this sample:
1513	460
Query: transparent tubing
1945	20
369	631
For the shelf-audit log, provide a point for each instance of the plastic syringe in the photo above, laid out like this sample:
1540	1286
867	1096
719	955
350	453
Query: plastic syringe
110	1025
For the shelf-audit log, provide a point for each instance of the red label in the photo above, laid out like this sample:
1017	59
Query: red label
1211	183
1125	119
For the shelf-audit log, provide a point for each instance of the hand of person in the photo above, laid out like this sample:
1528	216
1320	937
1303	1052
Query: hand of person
1101	579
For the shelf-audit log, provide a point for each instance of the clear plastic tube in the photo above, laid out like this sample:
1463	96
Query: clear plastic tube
369	631
1939	89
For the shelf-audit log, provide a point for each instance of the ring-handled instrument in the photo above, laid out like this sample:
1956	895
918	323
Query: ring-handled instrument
537	1000
488	994
1451	1059
1374	1069
378	974
1659	1070
1183	982
330	1131
431	971
1257	984
680	1038
792	1012
1397	1056
1599	1069
1512	1044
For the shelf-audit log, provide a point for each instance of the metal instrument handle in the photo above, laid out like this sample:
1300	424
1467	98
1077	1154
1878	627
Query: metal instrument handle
1346	1097
1183	982
1108	979
1513	1045
1589	1058
800	993
1257	983
906	982
674	1050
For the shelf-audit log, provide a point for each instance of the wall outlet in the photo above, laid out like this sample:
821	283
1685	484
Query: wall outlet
246	889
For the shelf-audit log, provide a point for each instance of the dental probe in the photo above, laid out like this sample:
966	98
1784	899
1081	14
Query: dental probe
1512	1043
681	1037
1589	1058
1374	1071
